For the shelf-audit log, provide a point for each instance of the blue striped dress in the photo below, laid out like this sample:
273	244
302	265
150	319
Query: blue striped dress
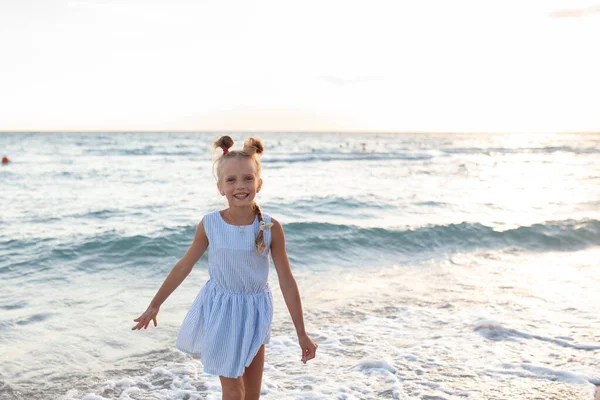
230	318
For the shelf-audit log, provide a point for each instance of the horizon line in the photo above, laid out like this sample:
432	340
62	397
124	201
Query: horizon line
296	131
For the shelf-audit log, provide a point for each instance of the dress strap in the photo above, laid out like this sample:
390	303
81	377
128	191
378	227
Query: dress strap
211	221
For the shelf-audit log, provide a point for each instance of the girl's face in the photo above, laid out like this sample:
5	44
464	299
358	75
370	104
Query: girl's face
239	182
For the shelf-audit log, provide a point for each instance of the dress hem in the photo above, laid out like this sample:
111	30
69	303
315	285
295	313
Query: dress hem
198	356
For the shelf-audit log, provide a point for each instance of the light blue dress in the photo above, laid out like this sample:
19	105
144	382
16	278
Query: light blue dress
230	318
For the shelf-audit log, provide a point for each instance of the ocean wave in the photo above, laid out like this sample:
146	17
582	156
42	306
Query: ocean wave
521	150
332	155
339	156
496	332
564	235
141	151
312	241
333	205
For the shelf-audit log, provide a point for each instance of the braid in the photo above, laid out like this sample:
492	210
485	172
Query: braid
259	243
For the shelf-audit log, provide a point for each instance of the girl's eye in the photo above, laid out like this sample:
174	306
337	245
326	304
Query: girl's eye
250	178
230	180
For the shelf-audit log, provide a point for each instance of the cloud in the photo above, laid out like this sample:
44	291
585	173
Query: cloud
585	12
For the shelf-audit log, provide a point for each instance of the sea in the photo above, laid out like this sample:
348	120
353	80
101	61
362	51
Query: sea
430	266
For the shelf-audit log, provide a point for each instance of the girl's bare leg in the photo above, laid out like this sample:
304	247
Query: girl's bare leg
253	375
233	388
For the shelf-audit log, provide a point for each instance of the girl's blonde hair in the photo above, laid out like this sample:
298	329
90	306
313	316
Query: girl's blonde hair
253	149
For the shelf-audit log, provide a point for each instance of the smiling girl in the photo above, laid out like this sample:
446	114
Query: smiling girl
229	322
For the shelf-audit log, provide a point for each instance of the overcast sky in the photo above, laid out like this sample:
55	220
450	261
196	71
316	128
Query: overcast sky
513	65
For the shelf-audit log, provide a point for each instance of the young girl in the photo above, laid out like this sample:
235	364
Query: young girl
229	322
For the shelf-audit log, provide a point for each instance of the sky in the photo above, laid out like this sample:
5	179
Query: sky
425	66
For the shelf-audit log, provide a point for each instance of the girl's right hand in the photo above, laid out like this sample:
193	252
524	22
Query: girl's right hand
146	317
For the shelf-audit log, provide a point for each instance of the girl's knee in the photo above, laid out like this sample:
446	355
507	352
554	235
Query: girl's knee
233	388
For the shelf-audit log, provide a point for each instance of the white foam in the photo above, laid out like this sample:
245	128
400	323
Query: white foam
375	364
397	338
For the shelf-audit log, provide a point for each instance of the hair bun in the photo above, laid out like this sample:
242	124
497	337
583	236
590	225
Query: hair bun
224	142
253	145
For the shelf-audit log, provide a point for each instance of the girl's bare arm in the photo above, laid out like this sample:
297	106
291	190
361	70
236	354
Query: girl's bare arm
290	291
179	272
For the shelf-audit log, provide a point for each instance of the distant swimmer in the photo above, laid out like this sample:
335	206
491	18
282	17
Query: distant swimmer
5	160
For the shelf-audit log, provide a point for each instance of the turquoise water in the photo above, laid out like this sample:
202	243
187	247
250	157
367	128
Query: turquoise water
456	266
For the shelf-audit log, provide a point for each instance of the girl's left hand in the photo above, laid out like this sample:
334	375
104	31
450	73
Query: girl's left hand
308	346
